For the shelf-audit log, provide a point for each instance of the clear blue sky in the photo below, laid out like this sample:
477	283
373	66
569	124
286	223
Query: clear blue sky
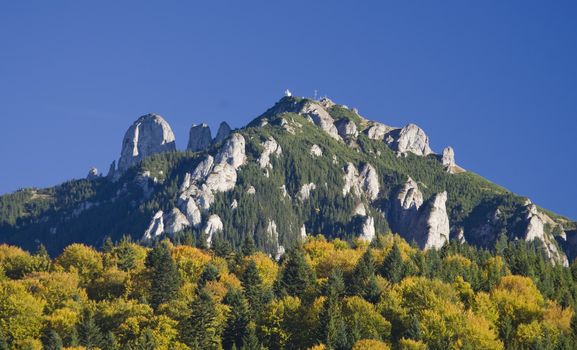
497	80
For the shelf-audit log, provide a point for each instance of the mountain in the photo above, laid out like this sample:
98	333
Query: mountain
302	168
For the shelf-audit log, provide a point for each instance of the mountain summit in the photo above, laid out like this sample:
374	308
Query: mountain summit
303	167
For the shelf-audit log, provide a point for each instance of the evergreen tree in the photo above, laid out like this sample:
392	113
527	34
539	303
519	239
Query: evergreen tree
88	331
248	246
146	341
363	282
253	288
222	248
201	326
297	277
109	342
51	340
210	273
108	245
3	340
164	273
237	321
332	325
250	341
125	254
73	338
393	267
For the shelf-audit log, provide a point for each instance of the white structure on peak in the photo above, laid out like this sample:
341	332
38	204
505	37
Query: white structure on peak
287	93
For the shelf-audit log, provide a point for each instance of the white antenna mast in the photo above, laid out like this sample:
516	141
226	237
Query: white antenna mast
315	94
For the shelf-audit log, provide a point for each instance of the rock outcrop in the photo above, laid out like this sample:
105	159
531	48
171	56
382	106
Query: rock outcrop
213	226
377	131
316	151
147	136
536	222
199	138
175	221
368	233
155	228
347	129
222	133
448	158
431	227
366	182
320	118
305	191
411	139
271	148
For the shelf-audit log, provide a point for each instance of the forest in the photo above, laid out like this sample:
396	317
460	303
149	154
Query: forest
321	294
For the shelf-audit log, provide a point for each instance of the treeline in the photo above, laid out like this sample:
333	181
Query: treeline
320	295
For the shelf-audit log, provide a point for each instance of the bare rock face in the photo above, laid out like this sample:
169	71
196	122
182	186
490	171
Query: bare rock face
191	210
321	118
411	138
368	233
316	151
111	170
214	175
271	148
305	191
222	133
326	102
366	181
199	138
147	136
175	221
92	174
448	158
377	131
536	222
347	129
431	228
155	228
213	225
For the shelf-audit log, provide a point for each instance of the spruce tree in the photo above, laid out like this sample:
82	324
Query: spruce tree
332	325
146	341
51	340
201	326
164	273
250	341
253	288
109	342
297	277
393	267
88	331
236	327
3	340
125	254
363	282
210	273
248	246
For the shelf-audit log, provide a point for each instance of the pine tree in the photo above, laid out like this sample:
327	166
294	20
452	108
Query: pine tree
297	277
332	325
109	342
248	246
363	281
393	267
237	321
250	341
51	340
210	273
108	245
200	327
44	261
253	288
165	278
125	254
88	331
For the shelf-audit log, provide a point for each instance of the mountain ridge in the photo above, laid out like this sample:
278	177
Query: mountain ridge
298	156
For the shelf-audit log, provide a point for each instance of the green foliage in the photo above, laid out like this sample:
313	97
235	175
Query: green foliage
297	277
165	279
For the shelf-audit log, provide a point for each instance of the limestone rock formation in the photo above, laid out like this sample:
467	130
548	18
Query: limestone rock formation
368	233
191	211
111	170
199	138
326	102
213	226
155	228
431	228
448	158
411	138
222	133
305	191
175	221
271	147
366	181
377	131
536	222
147	136
347	129
316	151
321	118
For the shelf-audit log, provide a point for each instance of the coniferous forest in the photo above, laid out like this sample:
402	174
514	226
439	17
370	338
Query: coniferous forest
321	295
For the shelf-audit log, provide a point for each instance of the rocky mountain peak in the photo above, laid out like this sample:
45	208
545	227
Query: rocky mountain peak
199	138
222	133
148	135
